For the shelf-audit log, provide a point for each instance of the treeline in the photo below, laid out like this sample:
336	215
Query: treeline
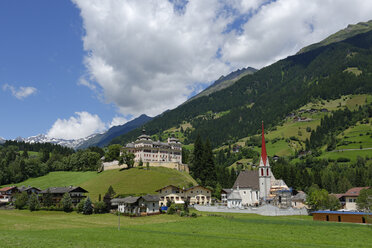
331	126
335	177
17	165
39	147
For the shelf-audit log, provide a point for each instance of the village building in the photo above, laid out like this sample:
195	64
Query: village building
194	195
76	193
140	205
147	150
348	199
224	194
257	187
234	200
299	200
29	190
340	216
7	194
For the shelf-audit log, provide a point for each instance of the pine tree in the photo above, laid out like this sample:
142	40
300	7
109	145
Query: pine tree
110	191
197	161
88	209
208	170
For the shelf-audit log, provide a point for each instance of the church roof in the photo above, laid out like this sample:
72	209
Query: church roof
247	179
263	146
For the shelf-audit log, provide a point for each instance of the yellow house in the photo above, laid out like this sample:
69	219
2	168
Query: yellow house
195	195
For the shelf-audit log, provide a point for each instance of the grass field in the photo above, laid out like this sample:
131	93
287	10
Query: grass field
131	181
58	229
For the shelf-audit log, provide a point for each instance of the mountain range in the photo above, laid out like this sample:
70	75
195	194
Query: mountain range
92	140
340	65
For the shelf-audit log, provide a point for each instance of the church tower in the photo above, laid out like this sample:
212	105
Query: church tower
264	171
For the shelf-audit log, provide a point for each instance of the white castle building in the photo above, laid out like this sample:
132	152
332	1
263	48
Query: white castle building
253	188
147	150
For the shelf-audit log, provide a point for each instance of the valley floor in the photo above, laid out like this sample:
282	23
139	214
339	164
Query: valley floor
58	229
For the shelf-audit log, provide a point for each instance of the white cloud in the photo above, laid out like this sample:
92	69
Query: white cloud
147	57
81	125
20	92
119	120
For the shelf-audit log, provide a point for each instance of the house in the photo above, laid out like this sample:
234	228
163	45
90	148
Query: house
76	193
234	200
148	204
194	195
299	200
8	193
224	194
340	216
171	193
348	199
29	190
198	195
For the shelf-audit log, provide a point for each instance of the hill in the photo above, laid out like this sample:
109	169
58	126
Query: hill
349	31
104	139
224	82
132	181
270	94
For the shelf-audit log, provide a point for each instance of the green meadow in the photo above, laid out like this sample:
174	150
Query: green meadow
59	229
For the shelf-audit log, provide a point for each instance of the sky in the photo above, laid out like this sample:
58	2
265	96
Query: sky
71	68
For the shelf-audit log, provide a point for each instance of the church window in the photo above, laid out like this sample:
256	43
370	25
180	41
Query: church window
262	172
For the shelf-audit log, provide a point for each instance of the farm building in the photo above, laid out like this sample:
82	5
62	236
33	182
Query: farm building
342	216
148	204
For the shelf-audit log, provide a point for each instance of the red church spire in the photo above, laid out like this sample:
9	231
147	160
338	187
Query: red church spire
263	146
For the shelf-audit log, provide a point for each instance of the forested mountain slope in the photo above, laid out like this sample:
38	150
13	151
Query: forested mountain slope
271	93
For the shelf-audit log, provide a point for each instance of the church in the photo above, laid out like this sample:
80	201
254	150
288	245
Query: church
256	187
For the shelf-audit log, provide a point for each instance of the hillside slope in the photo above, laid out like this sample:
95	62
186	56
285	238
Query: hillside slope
272	93
349	31
133	181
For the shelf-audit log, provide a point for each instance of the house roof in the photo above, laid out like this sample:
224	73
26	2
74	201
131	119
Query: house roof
128	199
62	190
195	187
227	191
7	188
234	196
24	188
167	187
247	179
151	198
300	196
354	191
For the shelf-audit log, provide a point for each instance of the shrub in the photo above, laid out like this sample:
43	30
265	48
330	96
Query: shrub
80	206
33	203
194	215
343	160
99	207
172	209
21	200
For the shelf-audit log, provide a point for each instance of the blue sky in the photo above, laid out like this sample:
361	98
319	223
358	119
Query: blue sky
70	68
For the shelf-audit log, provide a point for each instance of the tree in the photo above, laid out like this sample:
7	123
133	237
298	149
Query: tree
33	202
197	160
21	200
80	206
47	199
127	158
147	166
364	200
88	209
140	164
67	202
113	153
110	191
319	199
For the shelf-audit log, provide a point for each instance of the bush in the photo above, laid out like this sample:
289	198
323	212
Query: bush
172	209
33	203
80	206
21	200
194	215
343	160
99	207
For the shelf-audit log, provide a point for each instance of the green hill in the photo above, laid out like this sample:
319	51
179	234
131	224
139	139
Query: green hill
133	181
349	31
